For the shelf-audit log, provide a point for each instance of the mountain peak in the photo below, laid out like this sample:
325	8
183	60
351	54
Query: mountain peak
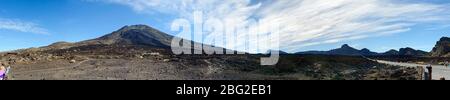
137	27
412	52
408	48
136	35
365	49
445	39
345	46
442	48
277	51
391	52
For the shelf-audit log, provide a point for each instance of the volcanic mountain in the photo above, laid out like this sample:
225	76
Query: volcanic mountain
139	35
412	52
442	48
391	52
350	51
134	35
344	50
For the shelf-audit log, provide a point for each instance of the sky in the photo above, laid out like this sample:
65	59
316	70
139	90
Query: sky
378	25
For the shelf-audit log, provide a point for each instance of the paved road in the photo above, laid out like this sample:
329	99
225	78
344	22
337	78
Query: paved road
438	70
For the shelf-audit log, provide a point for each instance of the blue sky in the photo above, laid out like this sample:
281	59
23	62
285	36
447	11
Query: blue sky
379	25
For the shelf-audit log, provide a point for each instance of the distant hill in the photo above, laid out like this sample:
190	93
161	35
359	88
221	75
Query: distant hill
350	51
276	51
391	52
343	50
412	52
366	51
442	48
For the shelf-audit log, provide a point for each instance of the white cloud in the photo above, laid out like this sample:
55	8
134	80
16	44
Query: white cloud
309	22
21	26
434	28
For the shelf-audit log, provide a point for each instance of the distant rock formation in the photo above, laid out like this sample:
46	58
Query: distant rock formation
276	51
391	52
442	48
412	52
366	51
344	50
136	35
350	51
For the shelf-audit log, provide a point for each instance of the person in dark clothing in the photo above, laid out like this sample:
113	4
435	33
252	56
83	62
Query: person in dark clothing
429	68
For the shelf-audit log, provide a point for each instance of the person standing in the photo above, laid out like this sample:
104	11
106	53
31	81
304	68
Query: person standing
430	70
446	64
2	72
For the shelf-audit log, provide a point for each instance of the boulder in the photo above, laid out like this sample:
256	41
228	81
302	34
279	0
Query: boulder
72	61
166	60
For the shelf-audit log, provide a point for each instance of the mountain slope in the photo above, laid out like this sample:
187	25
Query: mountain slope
391	52
412	52
350	51
344	50
134	35
442	48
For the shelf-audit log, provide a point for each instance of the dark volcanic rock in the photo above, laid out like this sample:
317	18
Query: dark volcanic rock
366	51
412	52
135	35
350	51
344	50
391	52
276	51
442	48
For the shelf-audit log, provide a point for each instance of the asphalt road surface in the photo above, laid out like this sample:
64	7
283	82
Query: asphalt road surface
438	71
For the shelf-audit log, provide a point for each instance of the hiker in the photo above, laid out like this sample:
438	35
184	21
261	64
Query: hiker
430	68
2	72
446	64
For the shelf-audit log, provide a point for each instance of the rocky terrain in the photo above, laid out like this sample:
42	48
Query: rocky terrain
412	52
344	50
139	52
158	65
439	55
442	48
347	50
